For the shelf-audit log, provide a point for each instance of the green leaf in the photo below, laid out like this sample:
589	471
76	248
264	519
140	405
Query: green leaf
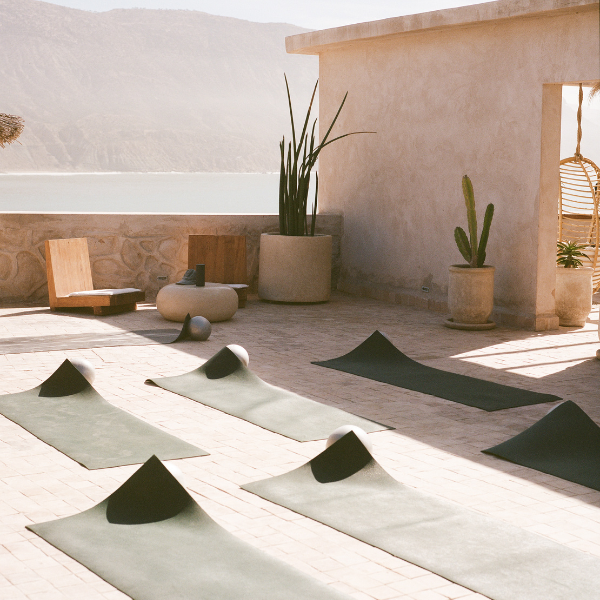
463	243
471	216
485	232
568	254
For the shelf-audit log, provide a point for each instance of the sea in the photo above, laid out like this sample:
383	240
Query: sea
171	193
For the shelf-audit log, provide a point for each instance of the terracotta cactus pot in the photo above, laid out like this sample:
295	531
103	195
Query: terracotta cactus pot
470	297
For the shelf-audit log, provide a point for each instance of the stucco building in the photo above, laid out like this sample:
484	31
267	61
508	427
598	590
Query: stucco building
473	90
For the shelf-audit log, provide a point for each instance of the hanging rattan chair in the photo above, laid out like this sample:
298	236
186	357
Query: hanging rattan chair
578	205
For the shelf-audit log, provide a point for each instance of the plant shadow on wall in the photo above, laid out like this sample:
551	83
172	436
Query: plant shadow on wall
295	265
471	286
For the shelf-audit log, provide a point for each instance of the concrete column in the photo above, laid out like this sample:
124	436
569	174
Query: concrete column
545	317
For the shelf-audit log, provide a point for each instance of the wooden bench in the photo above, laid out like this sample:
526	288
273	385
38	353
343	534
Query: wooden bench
70	281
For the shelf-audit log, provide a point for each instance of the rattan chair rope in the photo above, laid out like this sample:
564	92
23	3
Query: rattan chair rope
579	198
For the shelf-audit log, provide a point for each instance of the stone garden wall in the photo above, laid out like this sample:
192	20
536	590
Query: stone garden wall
126	250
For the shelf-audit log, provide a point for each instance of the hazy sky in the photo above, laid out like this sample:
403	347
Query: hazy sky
312	14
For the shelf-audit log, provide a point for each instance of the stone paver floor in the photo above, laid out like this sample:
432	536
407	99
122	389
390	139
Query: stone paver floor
435	446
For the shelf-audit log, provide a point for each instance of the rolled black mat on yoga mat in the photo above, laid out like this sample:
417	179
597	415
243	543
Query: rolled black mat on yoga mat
345	488
378	359
184	334
564	443
152	541
225	383
67	413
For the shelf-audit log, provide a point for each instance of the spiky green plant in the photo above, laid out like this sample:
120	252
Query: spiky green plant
568	253
472	252
295	170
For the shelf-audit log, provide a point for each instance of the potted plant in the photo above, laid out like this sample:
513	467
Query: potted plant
573	293
471	286
295	265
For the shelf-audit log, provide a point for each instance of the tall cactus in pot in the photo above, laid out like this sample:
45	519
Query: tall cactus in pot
473	252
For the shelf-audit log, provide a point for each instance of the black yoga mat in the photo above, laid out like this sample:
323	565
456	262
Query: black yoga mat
78	341
345	488
225	383
152	541
184	334
564	443
378	359
67	413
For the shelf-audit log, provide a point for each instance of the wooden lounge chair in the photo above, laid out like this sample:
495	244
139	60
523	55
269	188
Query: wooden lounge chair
70	281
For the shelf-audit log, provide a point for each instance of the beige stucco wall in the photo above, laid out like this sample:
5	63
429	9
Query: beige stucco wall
462	91
126	249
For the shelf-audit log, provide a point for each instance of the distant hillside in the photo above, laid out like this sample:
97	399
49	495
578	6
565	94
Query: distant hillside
145	90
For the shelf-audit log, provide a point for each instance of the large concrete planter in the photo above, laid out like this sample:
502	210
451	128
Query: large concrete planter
294	268
573	296
470	297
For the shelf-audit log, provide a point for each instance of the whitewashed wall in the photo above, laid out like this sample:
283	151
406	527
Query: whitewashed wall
474	91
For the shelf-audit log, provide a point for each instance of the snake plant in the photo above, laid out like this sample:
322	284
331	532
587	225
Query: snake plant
296	168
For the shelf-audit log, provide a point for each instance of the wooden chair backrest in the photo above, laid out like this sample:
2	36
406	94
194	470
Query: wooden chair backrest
223	255
68	267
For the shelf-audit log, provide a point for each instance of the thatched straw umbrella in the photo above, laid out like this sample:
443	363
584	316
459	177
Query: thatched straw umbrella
10	128
595	90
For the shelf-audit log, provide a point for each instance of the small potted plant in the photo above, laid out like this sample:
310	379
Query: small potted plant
471	286
295	265
573	294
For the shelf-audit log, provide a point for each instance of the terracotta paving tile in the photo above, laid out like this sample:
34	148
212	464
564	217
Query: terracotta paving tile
435	446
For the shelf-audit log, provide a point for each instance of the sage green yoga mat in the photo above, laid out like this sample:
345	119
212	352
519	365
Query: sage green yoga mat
378	359
152	541
564	443
225	383
67	413
345	488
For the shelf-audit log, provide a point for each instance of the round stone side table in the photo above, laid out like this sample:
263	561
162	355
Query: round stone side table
213	301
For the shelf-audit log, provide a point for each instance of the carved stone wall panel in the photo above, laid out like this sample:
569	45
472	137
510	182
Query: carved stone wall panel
30	276
132	254
14	239
106	245
125	250
168	249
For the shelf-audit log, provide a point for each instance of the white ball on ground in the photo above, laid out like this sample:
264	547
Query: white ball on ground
240	353
85	367
340	432
200	328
